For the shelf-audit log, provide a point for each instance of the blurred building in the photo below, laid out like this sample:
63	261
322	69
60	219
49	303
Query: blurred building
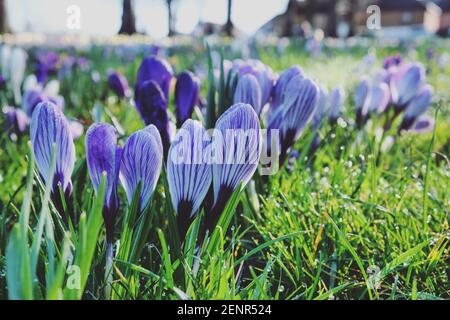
344	18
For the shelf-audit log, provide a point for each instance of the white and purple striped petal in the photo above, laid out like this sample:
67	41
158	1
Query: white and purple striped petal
248	91
141	162
282	82
189	174
49	126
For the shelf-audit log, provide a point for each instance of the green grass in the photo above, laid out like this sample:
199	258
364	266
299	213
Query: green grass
316	231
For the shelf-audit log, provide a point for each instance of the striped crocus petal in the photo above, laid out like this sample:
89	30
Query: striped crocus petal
377	99
239	147
361	92
49	126
336	103
282	82
156	69
321	108
141	162
103	155
299	106
188	173
186	96
405	83
418	105
248	91
118	84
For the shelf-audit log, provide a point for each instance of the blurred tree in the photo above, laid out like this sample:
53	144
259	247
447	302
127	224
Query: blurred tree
128	18
4	26
171	16
229	28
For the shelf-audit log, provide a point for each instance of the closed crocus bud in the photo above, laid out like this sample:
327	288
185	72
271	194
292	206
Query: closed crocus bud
158	70
17	72
336	104
321	108
153	110
16	120
186	96
50	127
103	156
282	82
237	149
118	84
188	173
418	105
2	83
361	92
377	100
141	162
405	83
248	91
299	106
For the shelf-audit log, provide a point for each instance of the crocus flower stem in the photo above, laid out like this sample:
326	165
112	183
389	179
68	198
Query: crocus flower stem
108	269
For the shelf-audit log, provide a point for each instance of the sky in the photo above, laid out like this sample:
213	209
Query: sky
103	17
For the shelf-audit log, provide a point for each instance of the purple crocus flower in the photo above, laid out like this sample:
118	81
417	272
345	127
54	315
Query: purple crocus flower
35	96
103	155
46	64
237	149
186	96
17	121
361	92
262	73
118	84
141	162
153	110
282	82
336	104
321	108
405	83
418	105
299	106
156	69
50	127
377	100
248	91
188	173
2	83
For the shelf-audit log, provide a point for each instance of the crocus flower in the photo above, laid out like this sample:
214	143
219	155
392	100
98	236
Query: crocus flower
360	97
153	110
50	127
33	97
262	73
18	64
186	96
237	141
418	105
282	82
336	104
46	64
156	69
103	155
16	120
405	83
321	108
141	162
118	84
298	108
188	173
248	91
376	101
2	83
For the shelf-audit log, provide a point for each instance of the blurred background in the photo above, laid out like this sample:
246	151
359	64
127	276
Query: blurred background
244	18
